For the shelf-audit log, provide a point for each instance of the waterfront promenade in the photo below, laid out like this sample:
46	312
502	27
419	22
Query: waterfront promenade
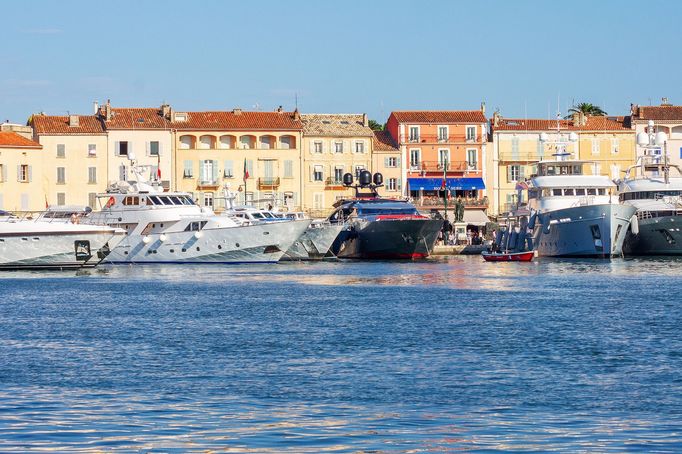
441	355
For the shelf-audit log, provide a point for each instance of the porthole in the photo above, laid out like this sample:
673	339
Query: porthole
236	244
125	252
198	249
172	250
220	247
184	250
266	233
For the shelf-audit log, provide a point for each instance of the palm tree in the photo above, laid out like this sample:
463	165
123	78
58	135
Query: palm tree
586	108
375	125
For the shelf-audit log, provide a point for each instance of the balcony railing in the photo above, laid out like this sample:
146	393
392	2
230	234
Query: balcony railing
268	182
207	184
333	183
510	156
437	166
435	202
450	138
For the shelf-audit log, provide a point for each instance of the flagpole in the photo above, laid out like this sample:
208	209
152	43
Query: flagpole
445	194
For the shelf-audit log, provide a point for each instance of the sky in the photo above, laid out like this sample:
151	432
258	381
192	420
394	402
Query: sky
523	58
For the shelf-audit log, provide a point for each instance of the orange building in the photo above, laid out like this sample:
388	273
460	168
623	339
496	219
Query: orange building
438	144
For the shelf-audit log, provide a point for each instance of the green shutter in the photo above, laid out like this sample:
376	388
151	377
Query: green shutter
214	177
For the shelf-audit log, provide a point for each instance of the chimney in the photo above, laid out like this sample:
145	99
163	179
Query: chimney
496	119
579	119
165	111
297	115
95	107
237	111
365	120
665	103
74	120
280	110
107	110
483	107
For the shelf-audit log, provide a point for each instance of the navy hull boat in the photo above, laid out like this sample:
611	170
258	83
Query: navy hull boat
378	228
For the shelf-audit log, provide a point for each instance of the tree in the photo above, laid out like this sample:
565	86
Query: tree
375	125
586	108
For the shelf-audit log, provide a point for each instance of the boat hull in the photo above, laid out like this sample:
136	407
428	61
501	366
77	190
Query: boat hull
508	257
388	239
583	231
314	244
656	236
259	243
65	249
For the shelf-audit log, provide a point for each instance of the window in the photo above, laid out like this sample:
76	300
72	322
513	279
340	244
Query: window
228	172
285	142
443	157
265	143
24	173
514	173
392	184
442	133
338	174
318	200
358	169
3	177
61	150
288	168
391	162
359	147
154	148
317	147
414	133
614	145
122	172
92	149
188	172
472	159
61	175
471	133
208	199
338	147
208	171
556	191
318	173
61	198
595	147
415	162
92	175
123	148
92	199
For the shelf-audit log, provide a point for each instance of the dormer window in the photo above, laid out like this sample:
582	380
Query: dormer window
180	116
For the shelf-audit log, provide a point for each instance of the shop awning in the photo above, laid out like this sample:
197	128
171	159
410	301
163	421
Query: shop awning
454	184
475	217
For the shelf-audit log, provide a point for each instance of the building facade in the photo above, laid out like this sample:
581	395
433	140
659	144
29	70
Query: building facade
608	143
255	154
667	118
21	167
442	149
333	145
386	159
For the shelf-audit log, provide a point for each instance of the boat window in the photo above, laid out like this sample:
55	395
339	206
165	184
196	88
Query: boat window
153	200
130	200
257	215
591	191
533	193
580	191
569	191
546	192
165	200
564	170
375	211
556	191
267	215
195	226
550	170
577	169
187	200
176	200
602	191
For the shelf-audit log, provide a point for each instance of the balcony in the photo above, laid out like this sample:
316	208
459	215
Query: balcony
332	183
510	156
437	166
268	183
427	202
450	138
207	184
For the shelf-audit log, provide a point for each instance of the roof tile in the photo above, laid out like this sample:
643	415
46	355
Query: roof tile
10	139
49	124
336	125
659	113
384	142
439	116
222	120
533	124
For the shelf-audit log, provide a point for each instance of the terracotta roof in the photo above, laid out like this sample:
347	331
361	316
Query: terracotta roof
384	142
336	125
659	113
439	116
533	124
136	118
245	120
48	124
9	139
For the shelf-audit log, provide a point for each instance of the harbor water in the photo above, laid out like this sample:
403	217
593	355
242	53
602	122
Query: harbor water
441	355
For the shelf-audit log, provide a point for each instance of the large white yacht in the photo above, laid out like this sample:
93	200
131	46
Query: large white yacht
168	227
654	187
39	241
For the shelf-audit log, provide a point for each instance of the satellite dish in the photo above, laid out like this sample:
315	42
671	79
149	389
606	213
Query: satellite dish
642	139
661	138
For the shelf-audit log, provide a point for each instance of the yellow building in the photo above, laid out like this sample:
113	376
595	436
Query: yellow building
21	164
608	142
333	145
386	160
213	150
74	158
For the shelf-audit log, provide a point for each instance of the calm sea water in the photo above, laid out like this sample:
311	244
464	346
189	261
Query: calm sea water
435	356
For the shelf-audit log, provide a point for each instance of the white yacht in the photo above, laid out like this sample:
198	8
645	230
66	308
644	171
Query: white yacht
573	214
168	227
316	241
39	241
654	187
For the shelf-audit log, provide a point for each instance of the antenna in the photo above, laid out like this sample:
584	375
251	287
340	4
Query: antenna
296	100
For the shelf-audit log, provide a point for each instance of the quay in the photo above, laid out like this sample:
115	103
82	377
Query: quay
459	249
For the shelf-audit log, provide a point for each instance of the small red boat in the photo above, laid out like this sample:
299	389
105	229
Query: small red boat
508	256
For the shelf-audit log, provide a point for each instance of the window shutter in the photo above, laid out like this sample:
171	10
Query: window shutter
160	147
509	174
4	173
386	162
130	147
18	173
397	160
215	171
30	174
399	184
147	149
201	171
522	172
117	148
311	169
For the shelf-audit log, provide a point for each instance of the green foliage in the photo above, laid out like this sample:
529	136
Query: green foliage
589	109
376	126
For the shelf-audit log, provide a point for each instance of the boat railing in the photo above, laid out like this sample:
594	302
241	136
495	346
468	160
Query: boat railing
584	201
34	216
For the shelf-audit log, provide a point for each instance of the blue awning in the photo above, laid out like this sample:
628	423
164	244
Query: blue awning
454	184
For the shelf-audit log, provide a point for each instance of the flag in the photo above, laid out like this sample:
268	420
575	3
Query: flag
246	171
158	167
46	204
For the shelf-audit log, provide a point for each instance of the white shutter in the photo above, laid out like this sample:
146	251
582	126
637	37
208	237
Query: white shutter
310	172
397	160
522	173
117	148
160	147
18	173
386	161
4	173
147	149
30	174
509	174
215	171
201	171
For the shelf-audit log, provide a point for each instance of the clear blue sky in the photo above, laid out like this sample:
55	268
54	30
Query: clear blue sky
338	56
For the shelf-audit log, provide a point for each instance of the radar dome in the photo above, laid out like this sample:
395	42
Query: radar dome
573	137
378	179
543	137
347	179
661	138
642	139
365	178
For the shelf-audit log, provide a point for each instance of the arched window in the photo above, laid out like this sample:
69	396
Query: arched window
186	142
